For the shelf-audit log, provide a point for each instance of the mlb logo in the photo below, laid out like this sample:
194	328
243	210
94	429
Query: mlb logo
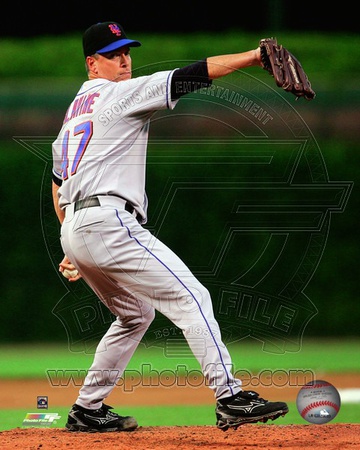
42	402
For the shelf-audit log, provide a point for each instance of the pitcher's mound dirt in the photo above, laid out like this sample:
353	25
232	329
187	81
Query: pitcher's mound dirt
246	437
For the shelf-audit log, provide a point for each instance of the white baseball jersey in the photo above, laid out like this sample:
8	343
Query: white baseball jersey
101	148
101	152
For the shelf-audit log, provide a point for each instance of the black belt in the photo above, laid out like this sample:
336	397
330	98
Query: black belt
90	202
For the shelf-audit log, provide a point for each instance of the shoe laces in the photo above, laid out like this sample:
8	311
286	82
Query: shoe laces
106	409
251	395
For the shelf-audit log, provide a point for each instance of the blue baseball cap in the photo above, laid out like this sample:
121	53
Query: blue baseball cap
105	37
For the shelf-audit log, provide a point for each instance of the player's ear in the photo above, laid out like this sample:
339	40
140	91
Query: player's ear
91	64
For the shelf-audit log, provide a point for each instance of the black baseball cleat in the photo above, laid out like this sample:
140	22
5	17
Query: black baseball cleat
98	420
247	407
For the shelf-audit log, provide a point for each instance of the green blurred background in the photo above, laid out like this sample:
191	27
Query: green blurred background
37	85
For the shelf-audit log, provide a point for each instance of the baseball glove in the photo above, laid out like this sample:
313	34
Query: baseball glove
285	68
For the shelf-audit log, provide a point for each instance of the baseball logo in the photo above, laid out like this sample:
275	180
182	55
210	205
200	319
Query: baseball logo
318	402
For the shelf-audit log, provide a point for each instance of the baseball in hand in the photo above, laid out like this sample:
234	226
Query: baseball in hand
318	402
70	273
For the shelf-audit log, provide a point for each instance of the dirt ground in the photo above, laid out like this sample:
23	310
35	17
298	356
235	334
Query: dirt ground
272	435
247	437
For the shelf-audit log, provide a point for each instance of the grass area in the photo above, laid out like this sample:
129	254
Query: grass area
175	416
318	355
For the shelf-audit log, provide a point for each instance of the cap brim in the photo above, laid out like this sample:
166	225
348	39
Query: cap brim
118	44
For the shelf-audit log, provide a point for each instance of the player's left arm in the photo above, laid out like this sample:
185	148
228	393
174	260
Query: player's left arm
201	73
219	66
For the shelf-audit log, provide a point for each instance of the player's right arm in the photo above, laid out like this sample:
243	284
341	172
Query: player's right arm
59	212
65	263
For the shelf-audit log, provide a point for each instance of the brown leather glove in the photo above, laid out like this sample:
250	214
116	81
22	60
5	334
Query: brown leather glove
285	68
